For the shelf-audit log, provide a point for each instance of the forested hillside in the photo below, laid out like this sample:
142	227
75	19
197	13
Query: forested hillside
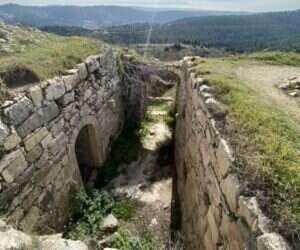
279	30
93	16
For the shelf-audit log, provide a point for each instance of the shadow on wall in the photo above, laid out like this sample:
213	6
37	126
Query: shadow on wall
86	154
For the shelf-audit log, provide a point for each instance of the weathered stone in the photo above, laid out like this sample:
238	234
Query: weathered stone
92	64
4	132
231	189
82	70
110	223
36	95
39	118
20	111
225	158
58	144
50	111
87	94
67	99
71	80
55	90
57	126
12	165
56	242
70	111
34	139
216	109
13	239
12	141
272	241
34	154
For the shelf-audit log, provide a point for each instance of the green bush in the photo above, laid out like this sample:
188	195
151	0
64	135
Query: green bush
126	241
91	208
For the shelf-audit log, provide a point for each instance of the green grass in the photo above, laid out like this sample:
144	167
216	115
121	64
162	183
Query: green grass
276	58
90	209
147	240
272	143
51	56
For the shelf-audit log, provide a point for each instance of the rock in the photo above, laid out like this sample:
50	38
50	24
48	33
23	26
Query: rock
35	139
110	223
294	93
12	165
4	132
20	111
39	118
36	95
13	239
67	99
55	90
82	71
12	141
56	242
216	109
231	189
272	241
284	86
92	63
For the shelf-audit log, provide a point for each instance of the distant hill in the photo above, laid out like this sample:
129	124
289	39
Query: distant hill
93	16
278	30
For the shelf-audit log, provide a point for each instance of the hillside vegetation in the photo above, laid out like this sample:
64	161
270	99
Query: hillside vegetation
265	138
279	30
93	16
28	55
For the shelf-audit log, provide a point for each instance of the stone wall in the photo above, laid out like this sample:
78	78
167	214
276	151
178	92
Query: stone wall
39	172
214	214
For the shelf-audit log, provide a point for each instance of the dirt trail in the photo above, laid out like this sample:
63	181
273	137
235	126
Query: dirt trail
264	78
148	181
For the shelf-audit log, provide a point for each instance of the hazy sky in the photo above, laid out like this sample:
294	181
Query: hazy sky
247	5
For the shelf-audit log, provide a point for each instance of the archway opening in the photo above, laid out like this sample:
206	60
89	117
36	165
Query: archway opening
86	153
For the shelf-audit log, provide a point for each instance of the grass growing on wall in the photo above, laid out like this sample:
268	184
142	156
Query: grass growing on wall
271	144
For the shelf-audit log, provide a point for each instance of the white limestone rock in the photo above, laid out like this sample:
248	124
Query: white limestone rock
110	223
272	241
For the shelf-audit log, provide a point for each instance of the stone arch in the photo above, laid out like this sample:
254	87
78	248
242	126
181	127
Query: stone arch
85	150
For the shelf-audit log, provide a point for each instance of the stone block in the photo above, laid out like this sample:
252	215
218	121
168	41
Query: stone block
34	154
36	95
12	165
231	190
272	241
92	64
12	141
71	80
82	71
39	118
31	141
224	157
4	132
58	144
20	111
67	99
55	89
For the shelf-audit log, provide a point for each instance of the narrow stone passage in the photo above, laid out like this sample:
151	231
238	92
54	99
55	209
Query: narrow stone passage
148	181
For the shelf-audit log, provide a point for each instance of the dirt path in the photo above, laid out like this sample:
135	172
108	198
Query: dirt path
264	78
148	181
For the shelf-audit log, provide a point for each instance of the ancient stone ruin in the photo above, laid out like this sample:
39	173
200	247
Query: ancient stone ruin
56	135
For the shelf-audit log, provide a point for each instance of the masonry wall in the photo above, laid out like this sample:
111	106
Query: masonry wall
39	173
215	216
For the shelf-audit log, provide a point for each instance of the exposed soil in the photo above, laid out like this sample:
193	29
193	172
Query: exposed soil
264	79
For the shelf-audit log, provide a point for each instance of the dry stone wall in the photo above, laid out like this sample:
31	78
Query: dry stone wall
39	171
215	216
